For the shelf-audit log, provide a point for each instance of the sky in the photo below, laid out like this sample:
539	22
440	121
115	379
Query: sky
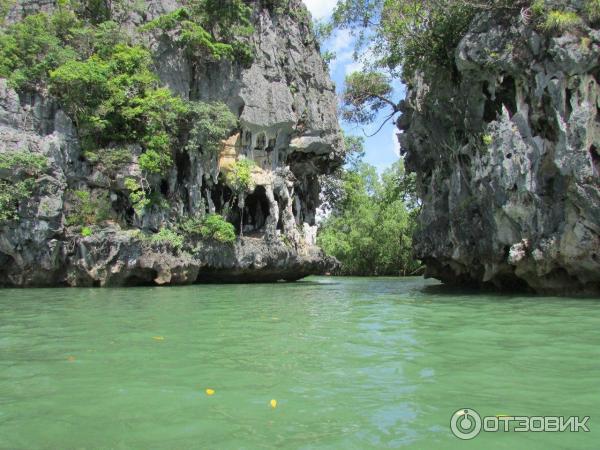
383	149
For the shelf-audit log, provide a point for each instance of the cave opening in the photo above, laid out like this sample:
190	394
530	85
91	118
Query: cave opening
296	208
6	262
595	158
280	218
545	124
568	104
221	196
506	95
256	211
183	164
261	142
164	187
141	278
125	211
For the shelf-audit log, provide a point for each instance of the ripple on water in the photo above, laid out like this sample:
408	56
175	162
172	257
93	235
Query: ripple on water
352	363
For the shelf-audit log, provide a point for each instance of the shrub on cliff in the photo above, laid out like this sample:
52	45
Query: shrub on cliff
18	172
208	29
217	228
87	209
107	85
211	123
117	99
169	237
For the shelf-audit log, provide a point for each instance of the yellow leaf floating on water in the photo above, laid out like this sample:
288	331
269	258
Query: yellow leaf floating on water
159	338
273	403
71	358
210	392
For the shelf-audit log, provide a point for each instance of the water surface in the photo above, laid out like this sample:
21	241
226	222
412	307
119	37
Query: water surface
352	363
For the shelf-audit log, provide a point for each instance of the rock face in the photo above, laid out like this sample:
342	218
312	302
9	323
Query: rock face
506	150
286	106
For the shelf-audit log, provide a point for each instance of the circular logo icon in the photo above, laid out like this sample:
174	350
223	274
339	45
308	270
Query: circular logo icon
465	423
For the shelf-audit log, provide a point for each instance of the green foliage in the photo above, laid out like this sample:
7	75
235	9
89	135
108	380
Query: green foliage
355	149
487	140
365	95
29	49
23	161
328	57
117	99
298	12
190	35
86	232
370	228
5	6
137	195
332	190
323	30
217	228
27	166
155	162
212	123
592	9
561	21
87	209
413	34
209	29
239	177
105	84
192	225
551	19
110	159
11	194
408	33
168	237
538	8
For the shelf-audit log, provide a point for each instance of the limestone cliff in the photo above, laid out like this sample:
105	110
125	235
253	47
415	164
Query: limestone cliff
506	153
286	107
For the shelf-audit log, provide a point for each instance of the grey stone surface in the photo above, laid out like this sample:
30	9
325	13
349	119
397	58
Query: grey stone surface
506	153
287	109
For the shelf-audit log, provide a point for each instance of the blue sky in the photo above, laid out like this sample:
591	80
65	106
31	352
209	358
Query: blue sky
381	150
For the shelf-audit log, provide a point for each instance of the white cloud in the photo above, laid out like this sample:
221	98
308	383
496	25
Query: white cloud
341	60
341	41
355	66
341	44
320	9
395	134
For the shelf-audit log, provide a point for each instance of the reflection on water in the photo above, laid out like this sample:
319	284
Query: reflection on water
352	363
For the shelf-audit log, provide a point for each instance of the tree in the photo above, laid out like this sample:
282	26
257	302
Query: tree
413	34
331	184
211	123
403	37
371	221
239	179
365	95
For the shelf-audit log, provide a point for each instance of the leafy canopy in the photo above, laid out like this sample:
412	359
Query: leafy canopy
107	85
365	95
217	228
18	173
212	123
370	227
404	37
209	29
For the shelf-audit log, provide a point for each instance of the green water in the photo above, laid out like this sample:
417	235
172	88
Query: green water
352	363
